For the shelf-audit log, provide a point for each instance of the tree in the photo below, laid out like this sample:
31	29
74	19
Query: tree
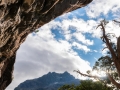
111	62
86	85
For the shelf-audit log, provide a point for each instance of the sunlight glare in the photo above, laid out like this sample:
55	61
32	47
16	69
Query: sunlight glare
99	73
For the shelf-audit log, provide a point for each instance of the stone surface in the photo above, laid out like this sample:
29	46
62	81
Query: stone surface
20	17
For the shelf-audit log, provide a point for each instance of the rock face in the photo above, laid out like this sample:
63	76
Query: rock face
20	17
50	81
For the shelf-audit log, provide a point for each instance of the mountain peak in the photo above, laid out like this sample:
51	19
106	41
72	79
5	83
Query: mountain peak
66	72
52	79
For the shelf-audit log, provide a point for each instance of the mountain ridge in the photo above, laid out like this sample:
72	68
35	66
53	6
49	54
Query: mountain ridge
49	81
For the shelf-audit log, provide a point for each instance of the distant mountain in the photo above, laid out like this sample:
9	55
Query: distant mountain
50	81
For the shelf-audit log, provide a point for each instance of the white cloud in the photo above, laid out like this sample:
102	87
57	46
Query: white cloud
80	26
81	47
95	50
111	27
80	37
98	7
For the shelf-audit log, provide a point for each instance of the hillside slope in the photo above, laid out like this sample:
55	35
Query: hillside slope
50	81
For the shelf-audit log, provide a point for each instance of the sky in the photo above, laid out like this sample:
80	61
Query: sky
69	42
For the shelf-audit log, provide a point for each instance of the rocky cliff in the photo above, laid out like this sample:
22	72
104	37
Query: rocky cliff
20	17
50	81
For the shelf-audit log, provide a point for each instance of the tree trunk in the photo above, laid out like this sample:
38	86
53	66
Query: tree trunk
113	81
115	55
20	17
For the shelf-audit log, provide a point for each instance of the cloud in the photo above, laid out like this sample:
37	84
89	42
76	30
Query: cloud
80	26
80	37
95	50
81	47
98	7
112	27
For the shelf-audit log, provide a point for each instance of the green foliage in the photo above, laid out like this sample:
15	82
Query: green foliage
86	85
67	87
106	64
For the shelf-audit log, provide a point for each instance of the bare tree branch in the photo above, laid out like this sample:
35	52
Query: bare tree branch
107	41
86	75
116	21
113	53
90	76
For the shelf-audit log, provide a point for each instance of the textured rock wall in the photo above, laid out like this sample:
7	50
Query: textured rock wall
20	17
